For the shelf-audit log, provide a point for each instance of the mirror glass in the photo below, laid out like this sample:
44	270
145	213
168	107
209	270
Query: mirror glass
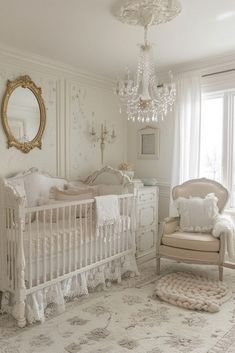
148	143
23	114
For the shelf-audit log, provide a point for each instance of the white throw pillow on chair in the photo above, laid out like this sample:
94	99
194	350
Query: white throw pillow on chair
197	214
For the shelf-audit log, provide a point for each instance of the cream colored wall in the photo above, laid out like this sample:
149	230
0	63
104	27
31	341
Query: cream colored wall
70	99
159	168
85	104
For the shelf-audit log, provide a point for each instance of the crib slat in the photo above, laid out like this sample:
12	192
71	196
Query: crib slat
110	237
85	235
30	251
57	243
127	221
69	240
101	237
75	238
96	243
91	230
8	244
15	253
80	235
51	245
11	249
14	267
44	248
37	252
115	235
122	225
63	211
105	241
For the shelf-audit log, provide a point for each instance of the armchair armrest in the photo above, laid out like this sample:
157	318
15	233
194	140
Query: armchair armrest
170	225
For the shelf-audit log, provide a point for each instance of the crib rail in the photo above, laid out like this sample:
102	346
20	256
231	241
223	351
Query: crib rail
62	239
43	245
12	213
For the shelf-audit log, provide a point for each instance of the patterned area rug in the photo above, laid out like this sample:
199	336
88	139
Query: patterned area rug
128	318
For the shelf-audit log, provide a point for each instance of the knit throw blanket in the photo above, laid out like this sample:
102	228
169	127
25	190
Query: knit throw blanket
224	225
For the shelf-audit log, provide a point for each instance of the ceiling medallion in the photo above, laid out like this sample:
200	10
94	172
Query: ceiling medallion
145	98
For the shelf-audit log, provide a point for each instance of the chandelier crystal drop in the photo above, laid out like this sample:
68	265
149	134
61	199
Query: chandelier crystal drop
142	96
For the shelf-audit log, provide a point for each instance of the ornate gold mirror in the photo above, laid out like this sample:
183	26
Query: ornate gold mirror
23	114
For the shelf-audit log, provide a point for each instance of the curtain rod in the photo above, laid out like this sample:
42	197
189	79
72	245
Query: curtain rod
218	72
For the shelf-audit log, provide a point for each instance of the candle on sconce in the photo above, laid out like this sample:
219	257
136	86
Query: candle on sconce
105	128
113	134
93	129
104	136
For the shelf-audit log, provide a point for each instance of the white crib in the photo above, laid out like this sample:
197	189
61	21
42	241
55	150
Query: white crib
43	245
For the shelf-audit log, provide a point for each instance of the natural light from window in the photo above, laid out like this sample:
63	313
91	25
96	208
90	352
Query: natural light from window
211	138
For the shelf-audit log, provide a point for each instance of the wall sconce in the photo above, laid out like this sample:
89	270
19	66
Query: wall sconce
105	136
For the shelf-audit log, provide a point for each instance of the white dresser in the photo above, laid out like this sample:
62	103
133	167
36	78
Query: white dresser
147	222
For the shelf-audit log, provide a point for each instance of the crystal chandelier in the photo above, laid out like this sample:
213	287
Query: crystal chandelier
144	98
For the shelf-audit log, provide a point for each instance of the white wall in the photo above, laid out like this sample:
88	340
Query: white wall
160	168
70	98
86	103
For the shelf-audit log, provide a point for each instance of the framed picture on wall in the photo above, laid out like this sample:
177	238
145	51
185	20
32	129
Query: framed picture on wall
148	143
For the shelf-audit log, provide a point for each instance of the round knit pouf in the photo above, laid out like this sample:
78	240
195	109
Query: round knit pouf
192	291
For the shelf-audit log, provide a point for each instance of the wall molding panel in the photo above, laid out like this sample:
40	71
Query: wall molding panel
66	119
164	200
12	56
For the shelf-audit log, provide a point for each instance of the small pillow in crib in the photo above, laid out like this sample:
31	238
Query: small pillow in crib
73	194
197	214
82	188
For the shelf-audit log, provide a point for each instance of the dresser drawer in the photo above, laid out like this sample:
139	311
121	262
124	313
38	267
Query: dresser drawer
146	215
147	195
146	241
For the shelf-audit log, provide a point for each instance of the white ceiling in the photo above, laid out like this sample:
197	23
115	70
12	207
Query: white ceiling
84	33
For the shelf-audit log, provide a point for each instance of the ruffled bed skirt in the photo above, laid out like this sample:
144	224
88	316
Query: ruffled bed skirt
78	285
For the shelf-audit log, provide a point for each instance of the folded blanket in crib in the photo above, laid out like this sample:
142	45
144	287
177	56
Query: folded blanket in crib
224	225
107	210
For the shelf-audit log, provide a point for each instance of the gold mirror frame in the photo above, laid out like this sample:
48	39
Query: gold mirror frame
24	82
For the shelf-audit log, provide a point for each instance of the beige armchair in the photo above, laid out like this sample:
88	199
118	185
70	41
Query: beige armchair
201	248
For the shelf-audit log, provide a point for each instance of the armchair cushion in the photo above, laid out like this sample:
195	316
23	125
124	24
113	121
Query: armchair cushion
192	241
189	255
197	214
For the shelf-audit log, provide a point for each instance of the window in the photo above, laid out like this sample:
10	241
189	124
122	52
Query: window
217	139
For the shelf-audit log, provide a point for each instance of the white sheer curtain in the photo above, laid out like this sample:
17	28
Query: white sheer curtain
187	129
